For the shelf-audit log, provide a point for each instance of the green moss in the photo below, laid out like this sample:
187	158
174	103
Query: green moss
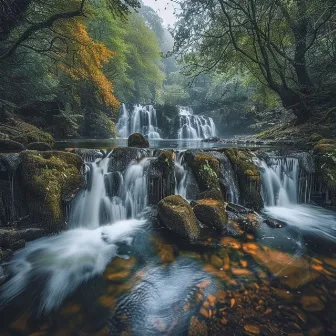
26	133
137	140
206	171
48	179
249	178
315	137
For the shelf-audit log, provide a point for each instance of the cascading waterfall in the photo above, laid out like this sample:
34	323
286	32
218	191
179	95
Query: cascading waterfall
97	228
194	126
141	120
280	181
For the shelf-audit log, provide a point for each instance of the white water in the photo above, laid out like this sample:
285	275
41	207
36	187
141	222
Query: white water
280	181
194	126
60	264
97	225
141	120
94	202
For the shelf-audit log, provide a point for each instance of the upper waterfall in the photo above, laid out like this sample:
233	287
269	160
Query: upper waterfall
142	120
194	126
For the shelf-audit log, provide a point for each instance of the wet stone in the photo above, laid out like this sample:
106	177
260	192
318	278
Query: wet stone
312	303
252	329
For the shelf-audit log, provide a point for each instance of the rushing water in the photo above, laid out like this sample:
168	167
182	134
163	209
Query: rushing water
141	120
111	272
194	126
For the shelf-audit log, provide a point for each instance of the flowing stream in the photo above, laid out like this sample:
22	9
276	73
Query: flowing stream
110	256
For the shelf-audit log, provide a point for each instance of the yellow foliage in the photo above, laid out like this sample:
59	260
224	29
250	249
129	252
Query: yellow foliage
87	60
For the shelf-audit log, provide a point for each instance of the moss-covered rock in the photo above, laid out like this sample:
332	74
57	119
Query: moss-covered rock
121	157
161	177
39	146
48	179
211	213
325	163
212	194
137	140
315	137
178	216
206	171
248	175
8	145
25	133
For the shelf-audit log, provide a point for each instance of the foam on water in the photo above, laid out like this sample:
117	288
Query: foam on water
61	263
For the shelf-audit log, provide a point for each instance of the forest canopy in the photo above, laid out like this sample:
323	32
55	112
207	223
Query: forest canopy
288	47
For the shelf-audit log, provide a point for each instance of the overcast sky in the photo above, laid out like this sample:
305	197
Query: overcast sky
164	8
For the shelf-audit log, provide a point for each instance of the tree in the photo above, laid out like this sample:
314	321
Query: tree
277	41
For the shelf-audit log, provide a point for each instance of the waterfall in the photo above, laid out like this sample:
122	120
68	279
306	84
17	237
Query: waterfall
141	120
227	177
193	126
283	182
110	197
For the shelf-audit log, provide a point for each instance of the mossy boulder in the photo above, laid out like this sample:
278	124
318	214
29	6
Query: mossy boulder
325	163
39	146
161	177
248	175
206	171
8	145
48	179
25	133
211	213
137	140
315	138
212	194
178	216
121	158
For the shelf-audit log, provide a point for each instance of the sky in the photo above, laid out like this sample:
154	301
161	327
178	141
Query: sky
164	8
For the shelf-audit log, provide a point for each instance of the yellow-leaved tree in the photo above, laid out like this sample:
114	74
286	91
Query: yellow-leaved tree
85	60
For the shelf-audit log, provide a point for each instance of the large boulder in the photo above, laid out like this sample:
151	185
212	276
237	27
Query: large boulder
211	213
49	179
206	170
248	175
177	215
161	178
137	140
121	158
8	145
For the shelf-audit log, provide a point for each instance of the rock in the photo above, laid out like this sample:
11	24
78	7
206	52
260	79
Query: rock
39	146
161	178
49	178
112	183
249	179
273	223
213	194
252	329
315	138
9	162
137	140
121	158
10	145
2	272
238	209
214	139
206	171
211	213
312	303
177	215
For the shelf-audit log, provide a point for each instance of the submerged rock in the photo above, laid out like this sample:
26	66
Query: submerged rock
49	178
249	178
211	213
178	216
10	145
137	140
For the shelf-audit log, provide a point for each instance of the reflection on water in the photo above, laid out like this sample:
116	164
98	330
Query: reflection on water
153	143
